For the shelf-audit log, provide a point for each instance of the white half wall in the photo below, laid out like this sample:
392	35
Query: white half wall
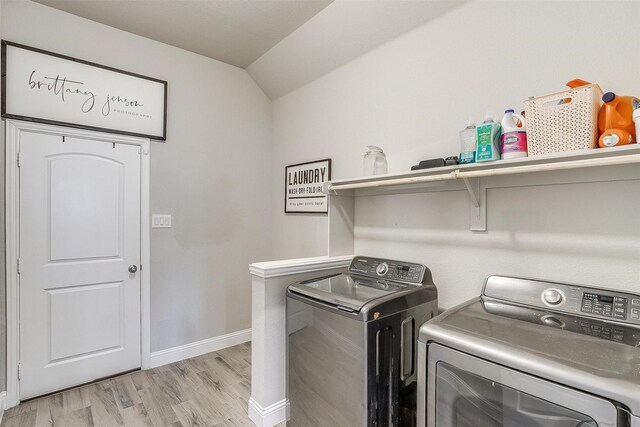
268	403
414	94
209	174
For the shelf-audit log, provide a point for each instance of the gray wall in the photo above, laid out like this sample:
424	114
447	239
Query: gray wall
414	94
209	175
3	304
411	96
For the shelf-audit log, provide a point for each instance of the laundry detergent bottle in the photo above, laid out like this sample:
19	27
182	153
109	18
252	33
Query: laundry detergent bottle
488	140
468	144
615	120
514	136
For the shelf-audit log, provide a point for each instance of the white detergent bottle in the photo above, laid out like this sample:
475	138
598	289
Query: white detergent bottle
514	136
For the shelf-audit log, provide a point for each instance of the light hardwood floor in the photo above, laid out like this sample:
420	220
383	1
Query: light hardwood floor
208	390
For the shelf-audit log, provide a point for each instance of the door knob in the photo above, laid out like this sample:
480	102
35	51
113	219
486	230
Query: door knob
133	269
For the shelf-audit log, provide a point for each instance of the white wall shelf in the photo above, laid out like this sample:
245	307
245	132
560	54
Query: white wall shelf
475	178
558	161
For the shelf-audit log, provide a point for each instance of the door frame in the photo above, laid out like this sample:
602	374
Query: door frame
13	131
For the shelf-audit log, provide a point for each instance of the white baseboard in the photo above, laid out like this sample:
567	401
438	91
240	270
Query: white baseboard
3	397
269	416
175	354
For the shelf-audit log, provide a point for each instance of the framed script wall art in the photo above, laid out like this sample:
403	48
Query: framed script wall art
303	187
46	87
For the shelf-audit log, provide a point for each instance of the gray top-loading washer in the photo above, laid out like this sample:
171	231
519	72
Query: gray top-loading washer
566	355
352	344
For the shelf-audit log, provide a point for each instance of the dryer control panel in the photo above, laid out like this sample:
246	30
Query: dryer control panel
566	298
397	271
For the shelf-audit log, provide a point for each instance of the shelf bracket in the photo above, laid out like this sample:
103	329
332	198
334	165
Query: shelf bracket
473	193
478	205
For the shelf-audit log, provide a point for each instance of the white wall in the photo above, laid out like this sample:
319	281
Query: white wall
413	95
209	175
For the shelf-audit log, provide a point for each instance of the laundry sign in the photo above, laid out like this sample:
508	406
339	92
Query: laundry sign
50	88
303	187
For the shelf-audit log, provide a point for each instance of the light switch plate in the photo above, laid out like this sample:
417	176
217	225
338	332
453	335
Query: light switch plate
160	221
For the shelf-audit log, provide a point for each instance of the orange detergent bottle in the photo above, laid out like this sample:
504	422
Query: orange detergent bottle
615	120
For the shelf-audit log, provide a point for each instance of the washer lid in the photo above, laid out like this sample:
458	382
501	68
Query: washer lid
346	291
600	357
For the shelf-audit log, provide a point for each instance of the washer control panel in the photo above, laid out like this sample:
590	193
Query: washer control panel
604	329
604	305
562	297
398	271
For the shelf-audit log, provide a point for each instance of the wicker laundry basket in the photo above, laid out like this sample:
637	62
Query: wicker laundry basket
564	121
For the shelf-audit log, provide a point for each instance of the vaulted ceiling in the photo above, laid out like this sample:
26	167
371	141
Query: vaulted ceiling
283	44
233	31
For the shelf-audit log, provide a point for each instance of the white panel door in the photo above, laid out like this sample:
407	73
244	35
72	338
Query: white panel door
79	234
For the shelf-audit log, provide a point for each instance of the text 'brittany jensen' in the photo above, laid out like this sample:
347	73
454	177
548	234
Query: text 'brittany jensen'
62	87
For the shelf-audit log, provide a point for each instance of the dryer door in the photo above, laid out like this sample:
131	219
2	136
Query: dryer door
465	391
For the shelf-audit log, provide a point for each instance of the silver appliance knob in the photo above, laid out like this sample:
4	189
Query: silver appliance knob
382	269
552	296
